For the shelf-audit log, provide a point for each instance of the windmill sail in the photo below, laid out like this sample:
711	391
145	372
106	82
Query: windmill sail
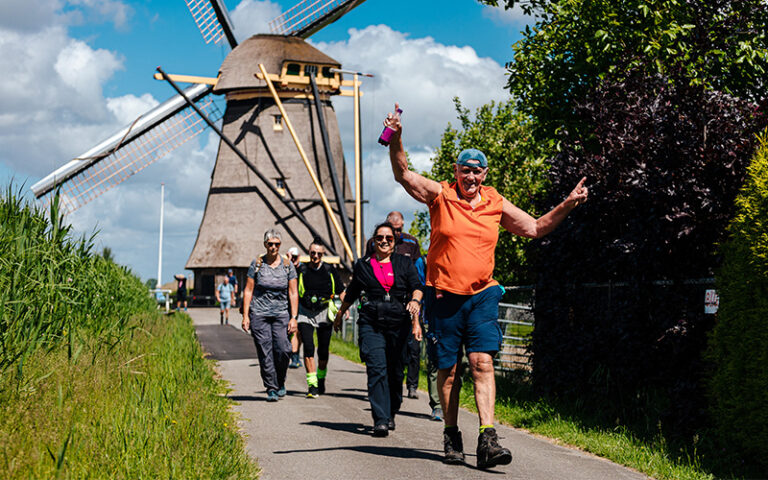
213	21
154	134
309	16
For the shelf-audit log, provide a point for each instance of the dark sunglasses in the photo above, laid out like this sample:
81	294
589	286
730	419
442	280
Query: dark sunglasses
315	254
273	244
385	238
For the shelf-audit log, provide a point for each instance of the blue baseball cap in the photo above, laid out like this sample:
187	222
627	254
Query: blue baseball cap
472	154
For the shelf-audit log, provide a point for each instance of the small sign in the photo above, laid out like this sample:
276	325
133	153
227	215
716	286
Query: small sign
711	301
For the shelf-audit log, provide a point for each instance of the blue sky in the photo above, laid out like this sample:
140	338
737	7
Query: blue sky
76	71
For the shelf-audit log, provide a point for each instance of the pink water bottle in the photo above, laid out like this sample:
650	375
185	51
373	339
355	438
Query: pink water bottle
386	135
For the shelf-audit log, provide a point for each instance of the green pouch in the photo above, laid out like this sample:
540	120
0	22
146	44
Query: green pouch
332	309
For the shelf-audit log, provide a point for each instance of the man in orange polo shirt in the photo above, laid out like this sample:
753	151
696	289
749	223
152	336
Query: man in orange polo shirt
462	298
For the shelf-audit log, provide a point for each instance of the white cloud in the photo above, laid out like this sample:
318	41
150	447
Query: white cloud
127	108
84	69
514	17
252	16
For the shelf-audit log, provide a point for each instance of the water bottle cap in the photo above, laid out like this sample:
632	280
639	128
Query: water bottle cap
399	110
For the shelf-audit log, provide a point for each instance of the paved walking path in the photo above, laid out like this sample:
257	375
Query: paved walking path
330	437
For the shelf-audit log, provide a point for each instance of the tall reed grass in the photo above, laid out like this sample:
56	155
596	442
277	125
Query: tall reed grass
94	383
53	287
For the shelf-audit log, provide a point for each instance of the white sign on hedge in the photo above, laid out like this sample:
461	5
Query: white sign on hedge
711	301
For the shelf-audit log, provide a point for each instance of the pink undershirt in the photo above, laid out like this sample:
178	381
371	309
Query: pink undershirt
384	273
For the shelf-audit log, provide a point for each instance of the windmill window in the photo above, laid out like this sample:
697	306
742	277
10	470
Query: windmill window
278	123
293	69
327	72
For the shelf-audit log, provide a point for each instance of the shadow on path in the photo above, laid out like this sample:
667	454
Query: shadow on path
395	452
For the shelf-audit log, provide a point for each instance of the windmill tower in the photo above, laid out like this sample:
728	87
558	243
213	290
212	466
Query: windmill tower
280	149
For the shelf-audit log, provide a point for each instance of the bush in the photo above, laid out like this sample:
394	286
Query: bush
664	165
739	342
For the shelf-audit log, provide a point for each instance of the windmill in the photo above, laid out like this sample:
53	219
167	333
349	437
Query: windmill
280	148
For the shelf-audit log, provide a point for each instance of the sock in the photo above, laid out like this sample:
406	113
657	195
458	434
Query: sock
312	379
483	427
322	372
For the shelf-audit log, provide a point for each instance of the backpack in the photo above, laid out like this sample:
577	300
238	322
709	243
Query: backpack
259	263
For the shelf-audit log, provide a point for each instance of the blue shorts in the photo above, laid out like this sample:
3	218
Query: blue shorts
224	304
454	321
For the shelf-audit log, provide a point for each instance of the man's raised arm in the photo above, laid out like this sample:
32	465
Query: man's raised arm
420	188
519	222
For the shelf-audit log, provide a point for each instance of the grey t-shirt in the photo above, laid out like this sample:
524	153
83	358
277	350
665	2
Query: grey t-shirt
270	290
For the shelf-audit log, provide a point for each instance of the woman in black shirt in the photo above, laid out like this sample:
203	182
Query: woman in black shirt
390	294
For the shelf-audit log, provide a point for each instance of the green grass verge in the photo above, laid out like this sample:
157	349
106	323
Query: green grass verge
146	406
574	426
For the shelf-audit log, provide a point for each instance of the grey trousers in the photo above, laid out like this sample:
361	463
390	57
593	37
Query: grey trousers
270	335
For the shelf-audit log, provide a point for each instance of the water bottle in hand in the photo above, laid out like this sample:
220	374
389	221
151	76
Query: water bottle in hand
386	135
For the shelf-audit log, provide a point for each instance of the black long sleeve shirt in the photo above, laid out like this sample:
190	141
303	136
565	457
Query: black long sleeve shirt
365	285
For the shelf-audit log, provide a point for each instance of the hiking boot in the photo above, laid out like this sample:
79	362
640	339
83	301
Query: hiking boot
381	430
321	386
295	362
489	452
437	414
272	396
313	393
412	392
453	447
281	392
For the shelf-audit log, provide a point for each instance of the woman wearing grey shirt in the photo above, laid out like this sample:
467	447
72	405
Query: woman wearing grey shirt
270	305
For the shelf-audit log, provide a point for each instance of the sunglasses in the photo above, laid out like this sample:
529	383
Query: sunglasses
273	244
384	238
315	254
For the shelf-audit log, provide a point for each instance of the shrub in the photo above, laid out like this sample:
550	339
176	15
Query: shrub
739	342
664	165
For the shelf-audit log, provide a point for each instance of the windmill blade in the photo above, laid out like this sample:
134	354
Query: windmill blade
111	162
212	19
309	16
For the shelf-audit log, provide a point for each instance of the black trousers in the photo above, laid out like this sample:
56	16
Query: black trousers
413	359
383	351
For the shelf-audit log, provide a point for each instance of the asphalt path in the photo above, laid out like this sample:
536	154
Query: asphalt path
330	437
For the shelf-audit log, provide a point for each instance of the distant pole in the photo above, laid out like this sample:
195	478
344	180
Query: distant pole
160	246
358	157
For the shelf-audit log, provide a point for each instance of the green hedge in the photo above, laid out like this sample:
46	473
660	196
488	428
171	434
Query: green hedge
739	343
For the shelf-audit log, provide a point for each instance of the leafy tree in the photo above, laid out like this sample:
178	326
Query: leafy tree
517	171
151	283
575	45
739	342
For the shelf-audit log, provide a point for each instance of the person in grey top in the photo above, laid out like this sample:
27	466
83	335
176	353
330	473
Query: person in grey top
270	305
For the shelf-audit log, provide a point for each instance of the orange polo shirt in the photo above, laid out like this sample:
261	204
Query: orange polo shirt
463	241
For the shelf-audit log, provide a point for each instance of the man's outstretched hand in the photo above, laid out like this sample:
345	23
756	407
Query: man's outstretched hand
578	195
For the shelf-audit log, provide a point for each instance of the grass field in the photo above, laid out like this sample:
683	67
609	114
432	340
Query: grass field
150	408
93	382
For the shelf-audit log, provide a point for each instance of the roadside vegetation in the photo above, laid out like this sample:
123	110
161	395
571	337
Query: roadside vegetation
93	381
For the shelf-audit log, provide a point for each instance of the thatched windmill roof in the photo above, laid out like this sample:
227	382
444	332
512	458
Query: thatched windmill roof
272	50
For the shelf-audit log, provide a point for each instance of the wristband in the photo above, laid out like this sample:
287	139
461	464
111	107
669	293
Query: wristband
414	300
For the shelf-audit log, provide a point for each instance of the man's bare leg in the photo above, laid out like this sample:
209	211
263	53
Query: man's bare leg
449	396
481	366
